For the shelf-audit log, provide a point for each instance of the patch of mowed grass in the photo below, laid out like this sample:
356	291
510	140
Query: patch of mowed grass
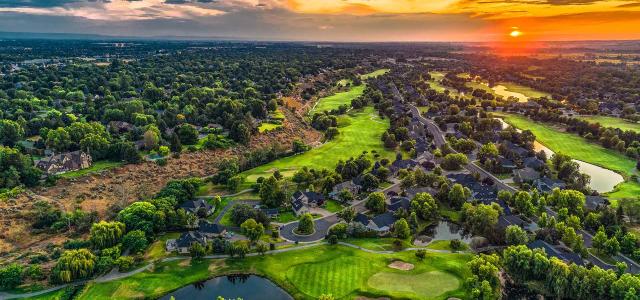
98	166
333	206
339	276
424	285
334	101
525	90
614	122
361	134
572	145
264	127
624	190
157	250
374	74
304	273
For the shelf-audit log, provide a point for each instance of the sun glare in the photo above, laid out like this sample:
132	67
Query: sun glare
515	33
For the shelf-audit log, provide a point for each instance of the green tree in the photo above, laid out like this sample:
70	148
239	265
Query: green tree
151	139
58	139
11	276
488	151
305	225
197	251
10	132
187	134
514	235
454	161
401	229
272	193
135	241
106	234
522	202
458	195
97	146
424	206
73	265
141	215
347	214
599	240
612	246
376	202
252	230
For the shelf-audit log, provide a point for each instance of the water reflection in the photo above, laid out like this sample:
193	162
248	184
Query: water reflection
247	287
447	231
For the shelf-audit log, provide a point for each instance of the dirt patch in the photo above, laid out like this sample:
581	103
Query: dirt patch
129	183
401	265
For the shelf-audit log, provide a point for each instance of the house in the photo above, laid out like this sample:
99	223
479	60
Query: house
211	230
347	185
552	251
381	223
514	150
506	165
402	164
596	202
399	202
120	126
184	242
526	175
272	213
484	193
198	205
65	162
533	163
466	180
546	184
302	201
413	191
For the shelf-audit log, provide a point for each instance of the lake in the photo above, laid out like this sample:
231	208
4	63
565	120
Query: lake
602	180
247	287
447	231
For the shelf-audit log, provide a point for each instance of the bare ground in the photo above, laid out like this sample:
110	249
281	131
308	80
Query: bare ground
400	265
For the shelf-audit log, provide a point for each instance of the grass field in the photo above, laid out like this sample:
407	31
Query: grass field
377	244
359	131
95	167
573	145
334	101
307	273
525	90
612	122
374	74
157	249
333	206
581	149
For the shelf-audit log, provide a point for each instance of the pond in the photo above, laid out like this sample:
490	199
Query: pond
247	287
502	91
447	231
602	180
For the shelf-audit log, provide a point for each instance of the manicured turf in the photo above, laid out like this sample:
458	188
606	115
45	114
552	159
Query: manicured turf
612	122
333	206
361	134
573	145
374	74
55	295
334	101
424	285
157	250
625	190
445	245
377	244
525	90
286	217
306	273
95	167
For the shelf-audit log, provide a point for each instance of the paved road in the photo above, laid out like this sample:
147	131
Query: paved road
323	224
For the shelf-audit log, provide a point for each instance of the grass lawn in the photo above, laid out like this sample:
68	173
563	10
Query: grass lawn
445	245
61	294
157	249
307	273
377	244
572	145
375	73
525	90
95	167
625	190
334	101
362	133
286	217
264	127
612	122
451	214
333	206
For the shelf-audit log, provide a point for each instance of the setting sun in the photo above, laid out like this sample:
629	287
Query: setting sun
515	33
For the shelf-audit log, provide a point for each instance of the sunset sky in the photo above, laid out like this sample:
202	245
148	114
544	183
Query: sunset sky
331	20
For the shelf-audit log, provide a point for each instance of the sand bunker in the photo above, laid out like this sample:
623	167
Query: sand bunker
400	265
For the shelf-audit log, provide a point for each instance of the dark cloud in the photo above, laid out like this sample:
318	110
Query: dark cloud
188	1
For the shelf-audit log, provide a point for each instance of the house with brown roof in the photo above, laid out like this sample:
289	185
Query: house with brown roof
64	162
